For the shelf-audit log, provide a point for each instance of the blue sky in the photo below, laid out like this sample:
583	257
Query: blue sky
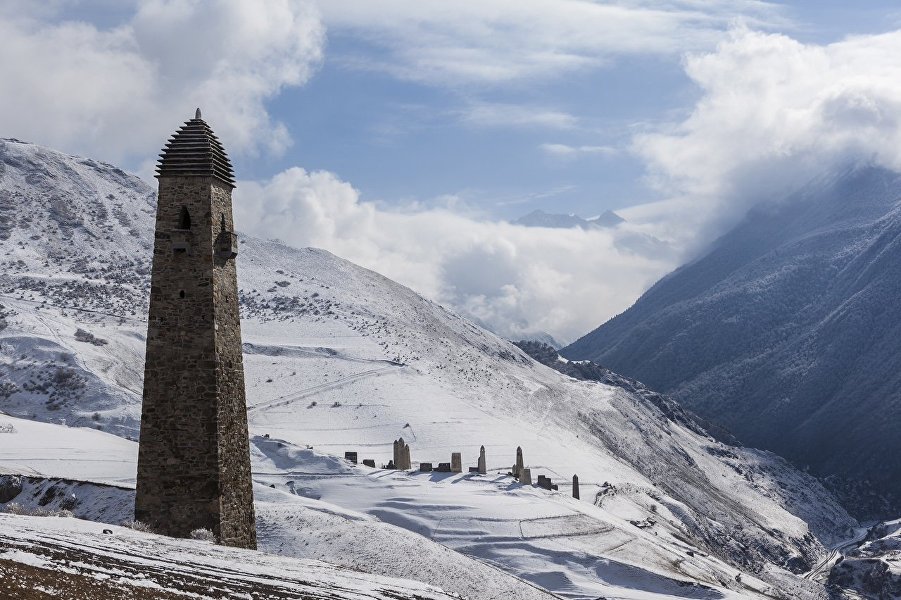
400	140
404	135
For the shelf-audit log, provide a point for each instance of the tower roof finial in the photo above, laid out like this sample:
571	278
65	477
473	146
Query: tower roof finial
197	113
195	151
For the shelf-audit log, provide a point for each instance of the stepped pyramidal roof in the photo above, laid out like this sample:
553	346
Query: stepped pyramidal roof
195	151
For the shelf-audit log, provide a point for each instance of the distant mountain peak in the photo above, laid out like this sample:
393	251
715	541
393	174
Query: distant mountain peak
539	218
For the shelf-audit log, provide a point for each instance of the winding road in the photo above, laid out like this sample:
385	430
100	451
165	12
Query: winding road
822	568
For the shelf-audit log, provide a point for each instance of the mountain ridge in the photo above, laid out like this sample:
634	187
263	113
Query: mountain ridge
782	331
539	218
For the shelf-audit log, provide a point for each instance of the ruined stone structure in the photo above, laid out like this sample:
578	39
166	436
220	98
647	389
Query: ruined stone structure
525	476
194	457
456	462
401	456
519	462
545	482
483	468
576	487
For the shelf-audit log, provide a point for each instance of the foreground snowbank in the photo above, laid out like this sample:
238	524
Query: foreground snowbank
77	559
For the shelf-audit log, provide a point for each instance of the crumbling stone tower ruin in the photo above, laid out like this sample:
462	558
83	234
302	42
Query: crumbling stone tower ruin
194	456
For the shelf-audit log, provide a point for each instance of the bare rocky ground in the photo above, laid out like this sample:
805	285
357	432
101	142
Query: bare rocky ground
33	583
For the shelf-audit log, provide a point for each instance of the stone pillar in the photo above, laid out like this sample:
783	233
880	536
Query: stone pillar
576	487
525	476
517	468
456	462
401	455
482	465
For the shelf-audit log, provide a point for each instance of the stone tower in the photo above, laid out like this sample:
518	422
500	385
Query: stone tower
194	456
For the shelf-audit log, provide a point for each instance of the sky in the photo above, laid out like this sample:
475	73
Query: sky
407	135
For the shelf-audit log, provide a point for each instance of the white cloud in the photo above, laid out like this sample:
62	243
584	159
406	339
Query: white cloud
567	152
502	41
115	93
518	280
774	113
513	115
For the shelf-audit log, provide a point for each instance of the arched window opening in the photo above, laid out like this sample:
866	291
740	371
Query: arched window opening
184	220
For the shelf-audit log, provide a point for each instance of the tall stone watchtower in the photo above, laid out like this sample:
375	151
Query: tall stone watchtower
194	456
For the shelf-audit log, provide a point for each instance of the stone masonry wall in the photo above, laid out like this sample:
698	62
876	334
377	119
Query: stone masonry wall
238	526
193	459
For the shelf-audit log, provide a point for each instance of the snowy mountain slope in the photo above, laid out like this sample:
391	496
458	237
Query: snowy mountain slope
786	331
50	557
571	547
288	524
781	476
460	387
73	233
325	509
340	358
45	450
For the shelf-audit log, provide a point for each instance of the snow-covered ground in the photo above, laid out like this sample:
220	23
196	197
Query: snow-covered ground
288	524
571	547
412	525
44	450
342	359
75	559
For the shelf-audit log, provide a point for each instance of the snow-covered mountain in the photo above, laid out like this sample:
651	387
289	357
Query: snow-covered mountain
539	218
786	331
339	358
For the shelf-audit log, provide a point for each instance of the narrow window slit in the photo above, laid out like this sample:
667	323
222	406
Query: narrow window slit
184	220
